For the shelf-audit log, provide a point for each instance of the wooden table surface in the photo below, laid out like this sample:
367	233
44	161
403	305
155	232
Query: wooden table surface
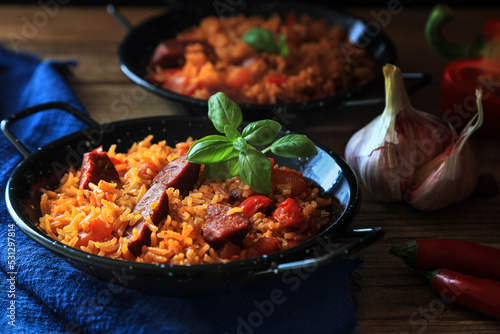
393	298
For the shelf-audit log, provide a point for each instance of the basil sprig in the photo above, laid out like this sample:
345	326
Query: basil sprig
263	41
234	154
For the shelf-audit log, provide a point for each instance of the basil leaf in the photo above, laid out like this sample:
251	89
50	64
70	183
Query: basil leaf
261	132
223	169
284	50
240	144
294	146
255	170
223	111
210	150
261	39
231	132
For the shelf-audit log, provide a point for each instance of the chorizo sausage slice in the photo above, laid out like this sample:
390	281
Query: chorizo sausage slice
170	53
179	174
221	227
96	166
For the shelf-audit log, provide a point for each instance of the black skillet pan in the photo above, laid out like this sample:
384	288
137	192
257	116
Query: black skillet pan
140	41
45	165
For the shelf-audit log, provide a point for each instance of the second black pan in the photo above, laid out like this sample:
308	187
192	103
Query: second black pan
140	41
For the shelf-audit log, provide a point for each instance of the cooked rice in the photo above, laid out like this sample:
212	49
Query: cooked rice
322	61
68	210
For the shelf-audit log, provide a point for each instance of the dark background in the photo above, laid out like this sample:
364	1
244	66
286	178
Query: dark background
333	4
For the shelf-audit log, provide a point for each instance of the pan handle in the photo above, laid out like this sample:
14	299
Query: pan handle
421	79
113	11
363	237
33	110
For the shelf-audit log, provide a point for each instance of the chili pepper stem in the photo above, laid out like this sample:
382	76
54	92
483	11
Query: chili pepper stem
440	15
407	252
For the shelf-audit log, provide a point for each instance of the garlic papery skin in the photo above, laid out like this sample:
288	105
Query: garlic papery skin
386	152
452	176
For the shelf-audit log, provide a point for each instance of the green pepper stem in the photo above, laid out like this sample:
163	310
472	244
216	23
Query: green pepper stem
440	15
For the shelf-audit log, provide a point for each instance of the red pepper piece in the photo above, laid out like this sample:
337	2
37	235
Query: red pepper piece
289	213
147	170
267	245
459	82
98	231
255	203
277	80
482	295
462	256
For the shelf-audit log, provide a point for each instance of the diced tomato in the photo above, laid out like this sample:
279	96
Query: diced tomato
147	170
272	161
238	78
99	231
289	176
277	80
291	20
182	148
267	245
312	228
230	251
174	80
289	213
255	203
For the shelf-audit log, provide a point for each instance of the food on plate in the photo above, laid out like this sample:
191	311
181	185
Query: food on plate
459	255
261	60
406	154
187	220
165	208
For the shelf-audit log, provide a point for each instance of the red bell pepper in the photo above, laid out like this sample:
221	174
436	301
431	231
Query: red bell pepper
474	65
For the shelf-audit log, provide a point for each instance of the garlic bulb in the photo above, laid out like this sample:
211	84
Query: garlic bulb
450	177
386	153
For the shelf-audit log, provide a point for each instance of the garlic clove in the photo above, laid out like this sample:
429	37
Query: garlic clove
452	176
451	180
387	151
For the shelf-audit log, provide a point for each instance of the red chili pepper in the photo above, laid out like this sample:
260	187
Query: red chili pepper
289	213
255	203
474	65
483	295
462	256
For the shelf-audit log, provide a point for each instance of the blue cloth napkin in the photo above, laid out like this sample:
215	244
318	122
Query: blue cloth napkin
42	293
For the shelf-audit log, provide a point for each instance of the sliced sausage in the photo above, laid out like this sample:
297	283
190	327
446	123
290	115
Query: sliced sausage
96	166
157	192
292	177
220	227
170	52
179	174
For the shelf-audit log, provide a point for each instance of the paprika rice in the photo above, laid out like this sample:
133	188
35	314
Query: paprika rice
321	61
94	219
